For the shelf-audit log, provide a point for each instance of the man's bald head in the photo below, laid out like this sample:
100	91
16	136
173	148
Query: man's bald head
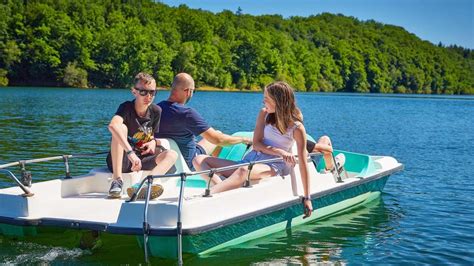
182	81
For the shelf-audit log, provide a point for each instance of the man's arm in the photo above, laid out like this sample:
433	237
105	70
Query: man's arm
220	139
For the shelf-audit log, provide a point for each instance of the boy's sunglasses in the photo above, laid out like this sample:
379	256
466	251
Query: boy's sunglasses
143	92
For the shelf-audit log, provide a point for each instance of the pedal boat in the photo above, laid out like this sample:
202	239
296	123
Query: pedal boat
182	219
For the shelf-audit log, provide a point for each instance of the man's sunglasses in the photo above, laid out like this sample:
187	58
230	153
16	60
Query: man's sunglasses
143	92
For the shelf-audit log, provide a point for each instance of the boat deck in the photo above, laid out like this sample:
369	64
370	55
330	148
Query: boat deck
82	202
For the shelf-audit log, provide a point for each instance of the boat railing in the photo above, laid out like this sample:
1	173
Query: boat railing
26	178
149	181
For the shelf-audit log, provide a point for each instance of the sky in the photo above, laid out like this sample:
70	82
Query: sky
445	21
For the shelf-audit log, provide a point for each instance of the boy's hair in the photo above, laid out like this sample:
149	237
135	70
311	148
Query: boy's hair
145	78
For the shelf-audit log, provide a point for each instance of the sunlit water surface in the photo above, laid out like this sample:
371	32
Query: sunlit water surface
425	214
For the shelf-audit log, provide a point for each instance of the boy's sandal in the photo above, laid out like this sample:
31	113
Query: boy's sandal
156	191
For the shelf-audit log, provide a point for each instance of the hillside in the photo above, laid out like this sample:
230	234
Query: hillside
104	43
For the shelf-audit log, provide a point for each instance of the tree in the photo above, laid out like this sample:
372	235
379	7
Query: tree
105	43
75	76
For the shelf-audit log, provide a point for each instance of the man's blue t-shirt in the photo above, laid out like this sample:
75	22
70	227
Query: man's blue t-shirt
182	124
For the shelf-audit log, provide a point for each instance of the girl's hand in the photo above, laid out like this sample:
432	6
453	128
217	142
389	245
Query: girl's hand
288	158
308	208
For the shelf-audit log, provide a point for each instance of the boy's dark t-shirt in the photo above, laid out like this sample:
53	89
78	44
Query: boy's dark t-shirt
140	129
182	124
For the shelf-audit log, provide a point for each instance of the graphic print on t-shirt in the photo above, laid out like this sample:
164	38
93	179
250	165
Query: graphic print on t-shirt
142	136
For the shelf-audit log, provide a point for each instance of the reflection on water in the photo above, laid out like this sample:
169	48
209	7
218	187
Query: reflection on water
334	239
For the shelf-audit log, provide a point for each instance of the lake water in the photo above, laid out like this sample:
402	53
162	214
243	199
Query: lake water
425	214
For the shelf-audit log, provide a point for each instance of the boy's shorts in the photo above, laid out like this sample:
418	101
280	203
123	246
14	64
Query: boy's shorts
148	161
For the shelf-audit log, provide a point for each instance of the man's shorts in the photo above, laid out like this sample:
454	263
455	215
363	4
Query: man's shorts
310	145
200	150
148	161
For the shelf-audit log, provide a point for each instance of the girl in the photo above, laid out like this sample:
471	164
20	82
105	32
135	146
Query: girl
279	125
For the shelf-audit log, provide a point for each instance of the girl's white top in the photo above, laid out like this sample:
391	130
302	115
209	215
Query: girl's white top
273	137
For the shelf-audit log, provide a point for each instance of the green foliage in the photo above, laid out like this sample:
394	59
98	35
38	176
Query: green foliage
75	76
3	78
105	43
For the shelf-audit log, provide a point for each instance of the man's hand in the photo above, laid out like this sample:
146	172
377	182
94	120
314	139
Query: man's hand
247	141
149	147
136	162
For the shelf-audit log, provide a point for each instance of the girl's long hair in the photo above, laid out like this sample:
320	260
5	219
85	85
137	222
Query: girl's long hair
286	111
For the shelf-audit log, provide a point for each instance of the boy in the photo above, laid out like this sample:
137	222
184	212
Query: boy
133	146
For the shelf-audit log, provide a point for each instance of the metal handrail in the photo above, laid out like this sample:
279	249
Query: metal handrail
179	225
52	158
146	225
27	193
183	175
224	168
22	163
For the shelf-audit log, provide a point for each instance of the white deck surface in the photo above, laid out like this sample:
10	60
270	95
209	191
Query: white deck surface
84	199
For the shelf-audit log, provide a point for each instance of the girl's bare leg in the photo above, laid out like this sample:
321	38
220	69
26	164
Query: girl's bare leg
206	162
325	143
238	177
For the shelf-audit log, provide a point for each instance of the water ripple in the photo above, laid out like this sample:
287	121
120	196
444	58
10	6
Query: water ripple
424	215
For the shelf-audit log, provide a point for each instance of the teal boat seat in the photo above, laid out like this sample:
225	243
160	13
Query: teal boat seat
355	162
235	152
193	181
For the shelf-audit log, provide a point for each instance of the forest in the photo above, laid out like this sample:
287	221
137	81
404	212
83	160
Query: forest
105	43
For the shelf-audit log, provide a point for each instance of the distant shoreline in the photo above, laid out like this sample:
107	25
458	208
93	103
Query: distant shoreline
216	89
320	93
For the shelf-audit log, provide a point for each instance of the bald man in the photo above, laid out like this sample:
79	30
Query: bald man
183	124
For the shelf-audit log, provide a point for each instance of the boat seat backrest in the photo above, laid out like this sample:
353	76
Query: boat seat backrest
237	151
180	165
355	162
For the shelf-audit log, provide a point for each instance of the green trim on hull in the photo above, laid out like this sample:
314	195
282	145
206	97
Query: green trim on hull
17	230
324	212
262	225
230	235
